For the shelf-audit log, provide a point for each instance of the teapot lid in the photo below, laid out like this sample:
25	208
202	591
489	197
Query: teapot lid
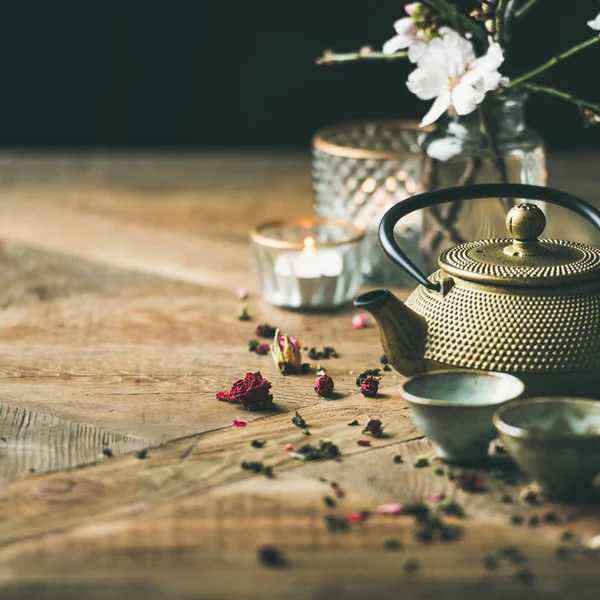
523	260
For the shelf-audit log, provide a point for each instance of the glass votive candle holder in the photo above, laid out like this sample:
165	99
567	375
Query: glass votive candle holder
310	263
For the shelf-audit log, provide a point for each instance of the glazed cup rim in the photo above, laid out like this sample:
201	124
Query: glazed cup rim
526	434
454	404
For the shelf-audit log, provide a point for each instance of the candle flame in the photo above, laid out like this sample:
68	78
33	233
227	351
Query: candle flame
309	244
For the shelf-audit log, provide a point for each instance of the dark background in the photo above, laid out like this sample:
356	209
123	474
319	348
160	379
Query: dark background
212	73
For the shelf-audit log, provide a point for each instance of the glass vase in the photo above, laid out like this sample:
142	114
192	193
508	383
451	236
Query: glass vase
359	171
492	144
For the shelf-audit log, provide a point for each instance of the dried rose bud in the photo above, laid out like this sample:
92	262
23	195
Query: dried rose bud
286	353
239	423
324	385
364	442
262	349
287	447
359	321
369	386
265	330
437	497
374	427
468	481
252	392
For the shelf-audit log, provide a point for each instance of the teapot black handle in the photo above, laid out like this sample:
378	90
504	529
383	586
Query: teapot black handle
471	192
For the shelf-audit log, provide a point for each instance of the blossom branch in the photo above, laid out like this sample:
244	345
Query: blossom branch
497	159
581	104
529	4
500	35
451	12
552	62
330	57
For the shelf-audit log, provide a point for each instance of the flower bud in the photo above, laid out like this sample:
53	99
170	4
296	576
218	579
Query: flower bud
374	426
324	385
369	386
286	353
413	9
490	26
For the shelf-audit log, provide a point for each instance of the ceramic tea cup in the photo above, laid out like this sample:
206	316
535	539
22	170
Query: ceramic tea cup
556	441
454	409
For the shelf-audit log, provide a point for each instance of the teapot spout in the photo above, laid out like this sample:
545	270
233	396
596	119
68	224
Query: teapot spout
403	331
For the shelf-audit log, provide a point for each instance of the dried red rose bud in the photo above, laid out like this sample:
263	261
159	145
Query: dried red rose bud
374	427
369	386
252	392
468	481
265	331
364	442
324	385
263	349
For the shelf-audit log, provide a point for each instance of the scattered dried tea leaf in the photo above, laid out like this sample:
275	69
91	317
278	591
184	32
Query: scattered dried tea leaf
242	314
298	421
271	556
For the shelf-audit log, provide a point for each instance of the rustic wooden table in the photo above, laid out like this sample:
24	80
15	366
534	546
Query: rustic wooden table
118	325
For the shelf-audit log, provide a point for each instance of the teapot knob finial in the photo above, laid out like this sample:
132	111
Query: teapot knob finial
525	222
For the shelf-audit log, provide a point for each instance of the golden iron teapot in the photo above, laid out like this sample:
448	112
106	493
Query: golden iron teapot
525	306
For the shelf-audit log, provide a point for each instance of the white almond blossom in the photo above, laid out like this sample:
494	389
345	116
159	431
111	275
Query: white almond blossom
408	36
451	75
595	23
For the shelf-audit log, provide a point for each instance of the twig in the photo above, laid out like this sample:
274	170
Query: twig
552	62
446	219
362	54
451	12
525	8
499	22
543	89
508	20
497	158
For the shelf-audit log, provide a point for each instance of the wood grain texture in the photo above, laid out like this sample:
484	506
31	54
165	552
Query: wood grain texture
32	442
118	314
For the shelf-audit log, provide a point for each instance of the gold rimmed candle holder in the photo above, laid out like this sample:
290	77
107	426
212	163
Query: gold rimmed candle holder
310	263
360	170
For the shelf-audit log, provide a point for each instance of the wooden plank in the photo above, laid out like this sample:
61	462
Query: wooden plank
188	466
32	442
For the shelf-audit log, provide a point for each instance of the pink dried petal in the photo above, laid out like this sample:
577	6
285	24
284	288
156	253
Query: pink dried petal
239	423
364	442
359	321
393	508
287	447
437	497
356	517
339	492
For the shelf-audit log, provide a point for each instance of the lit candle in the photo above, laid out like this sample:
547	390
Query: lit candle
311	263
309	278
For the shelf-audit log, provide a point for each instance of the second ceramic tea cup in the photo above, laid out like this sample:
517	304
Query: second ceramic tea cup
454	409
